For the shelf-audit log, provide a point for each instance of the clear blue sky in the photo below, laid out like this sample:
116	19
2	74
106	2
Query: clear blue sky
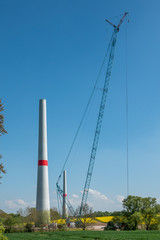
54	50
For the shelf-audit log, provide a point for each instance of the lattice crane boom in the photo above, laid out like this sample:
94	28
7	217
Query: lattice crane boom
98	126
100	115
60	192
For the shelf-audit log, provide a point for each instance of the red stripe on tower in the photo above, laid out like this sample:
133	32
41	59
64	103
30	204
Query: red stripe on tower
64	195
42	163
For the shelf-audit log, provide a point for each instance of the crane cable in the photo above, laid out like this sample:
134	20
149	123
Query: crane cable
84	114
126	63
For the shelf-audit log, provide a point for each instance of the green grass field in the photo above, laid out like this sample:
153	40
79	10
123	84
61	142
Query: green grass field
88	235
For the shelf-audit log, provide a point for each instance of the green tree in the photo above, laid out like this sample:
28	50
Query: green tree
86	217
2	132
2	170
150	210
10	221
22	215
127	222
116	213
30	214
54	214
3	214
138	210
132	204
1	233
136	219
2	129
132	212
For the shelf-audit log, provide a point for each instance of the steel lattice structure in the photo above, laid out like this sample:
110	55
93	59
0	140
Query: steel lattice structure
98	125
100	115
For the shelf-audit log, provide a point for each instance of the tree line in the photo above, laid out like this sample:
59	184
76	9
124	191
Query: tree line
138	213
24	219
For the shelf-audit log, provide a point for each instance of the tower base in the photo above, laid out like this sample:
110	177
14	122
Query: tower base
42	218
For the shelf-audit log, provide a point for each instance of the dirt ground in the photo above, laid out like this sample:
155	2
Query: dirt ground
97	226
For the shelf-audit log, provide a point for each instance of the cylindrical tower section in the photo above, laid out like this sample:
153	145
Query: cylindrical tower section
42	201
64	210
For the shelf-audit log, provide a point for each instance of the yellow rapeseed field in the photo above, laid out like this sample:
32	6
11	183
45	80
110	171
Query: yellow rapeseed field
105	219
89	220
63	221
60	221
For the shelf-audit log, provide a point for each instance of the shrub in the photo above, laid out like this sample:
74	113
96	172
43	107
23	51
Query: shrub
28	227
1	232
112	226
60	227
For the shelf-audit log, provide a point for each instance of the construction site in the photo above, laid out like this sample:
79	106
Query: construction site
79	120
42	203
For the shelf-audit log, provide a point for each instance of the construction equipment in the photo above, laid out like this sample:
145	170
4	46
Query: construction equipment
98	125
70	208
101	113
